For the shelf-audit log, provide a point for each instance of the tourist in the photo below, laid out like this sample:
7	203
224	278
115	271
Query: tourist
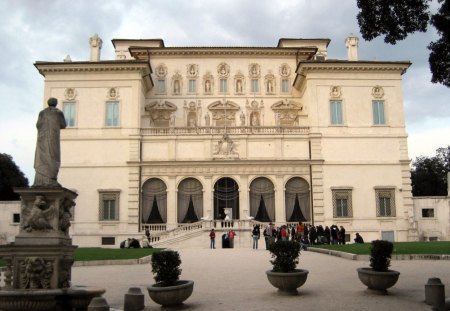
334	234
359	239
255	235
304	243
134	243
145	242
342	235
267	233
147	233
283	233
327	234
212	236
312	235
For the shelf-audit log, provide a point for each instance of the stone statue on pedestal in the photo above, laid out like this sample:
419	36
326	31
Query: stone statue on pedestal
48	154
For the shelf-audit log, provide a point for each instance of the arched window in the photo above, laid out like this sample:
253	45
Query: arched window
262	199
297	200
190	201
154	201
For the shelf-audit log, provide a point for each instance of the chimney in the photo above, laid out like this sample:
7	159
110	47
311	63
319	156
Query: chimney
352	47
96	45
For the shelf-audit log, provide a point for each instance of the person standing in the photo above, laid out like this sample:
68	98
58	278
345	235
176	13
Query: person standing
212	236
342	235
255	235
47	159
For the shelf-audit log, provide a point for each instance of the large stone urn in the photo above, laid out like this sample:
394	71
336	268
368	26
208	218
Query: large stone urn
168	296
378	280
287	282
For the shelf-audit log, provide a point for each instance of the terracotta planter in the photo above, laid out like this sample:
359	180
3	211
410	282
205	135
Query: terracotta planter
287	282
171	295
378	280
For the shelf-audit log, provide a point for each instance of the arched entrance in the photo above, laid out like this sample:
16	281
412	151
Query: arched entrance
190	201
154	202
297	200
226	195
262	199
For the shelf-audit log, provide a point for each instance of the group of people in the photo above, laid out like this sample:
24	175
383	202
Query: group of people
227	239
134	243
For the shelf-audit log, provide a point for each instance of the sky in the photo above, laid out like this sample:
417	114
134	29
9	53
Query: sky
49	30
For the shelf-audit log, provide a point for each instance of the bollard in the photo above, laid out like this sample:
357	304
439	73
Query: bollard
435	293
134	300
98	304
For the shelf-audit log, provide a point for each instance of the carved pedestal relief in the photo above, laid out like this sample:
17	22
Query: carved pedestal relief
162	113
192	113
287	112
255	113
223	112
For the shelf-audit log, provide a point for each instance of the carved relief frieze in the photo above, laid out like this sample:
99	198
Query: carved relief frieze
208	83
223	70
38	216
162	113
269	82
377	92
225	148
70	94
65	215
254	71
255	112
35	273
223	112
287	112
177	80
239	83
192	71
285	70
161	71
336	92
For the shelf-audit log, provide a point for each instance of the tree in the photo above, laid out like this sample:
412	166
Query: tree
429	175
397	19
10	176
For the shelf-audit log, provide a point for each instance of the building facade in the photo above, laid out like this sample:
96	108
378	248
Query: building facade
163	136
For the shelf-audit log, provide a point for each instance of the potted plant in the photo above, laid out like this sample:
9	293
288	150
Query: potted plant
284	274
378	276
168	289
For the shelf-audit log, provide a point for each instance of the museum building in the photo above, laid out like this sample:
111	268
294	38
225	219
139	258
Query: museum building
183	139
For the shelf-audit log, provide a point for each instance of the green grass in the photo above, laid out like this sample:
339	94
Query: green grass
97	253
400	248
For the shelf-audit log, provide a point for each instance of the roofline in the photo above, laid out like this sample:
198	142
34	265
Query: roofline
161	41
303	39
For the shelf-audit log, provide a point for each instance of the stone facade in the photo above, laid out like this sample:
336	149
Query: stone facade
170	135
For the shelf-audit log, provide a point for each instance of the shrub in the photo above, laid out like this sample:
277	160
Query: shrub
166	267
380	255
286	255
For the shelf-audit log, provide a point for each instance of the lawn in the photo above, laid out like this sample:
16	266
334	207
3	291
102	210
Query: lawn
400	248
97	253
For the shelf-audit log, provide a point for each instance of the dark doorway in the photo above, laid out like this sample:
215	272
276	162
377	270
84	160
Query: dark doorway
226	195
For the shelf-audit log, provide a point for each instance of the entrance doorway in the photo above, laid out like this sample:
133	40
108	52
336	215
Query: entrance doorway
226	195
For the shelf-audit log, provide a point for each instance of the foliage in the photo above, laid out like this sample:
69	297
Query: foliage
166	267
429	175
400	248
380	255
10	176
397	19
97	253
286	255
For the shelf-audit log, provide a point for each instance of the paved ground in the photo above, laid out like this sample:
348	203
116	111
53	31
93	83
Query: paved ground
235	279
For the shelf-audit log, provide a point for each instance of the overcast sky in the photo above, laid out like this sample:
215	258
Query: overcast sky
38	30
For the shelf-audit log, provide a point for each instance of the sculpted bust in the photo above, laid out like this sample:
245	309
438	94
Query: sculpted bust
48	155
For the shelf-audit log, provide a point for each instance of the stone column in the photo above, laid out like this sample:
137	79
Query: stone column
208	198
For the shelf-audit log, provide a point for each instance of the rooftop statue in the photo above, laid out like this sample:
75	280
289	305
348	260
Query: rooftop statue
48	155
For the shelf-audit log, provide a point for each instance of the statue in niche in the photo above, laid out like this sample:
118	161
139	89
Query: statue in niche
242	117
192	122
176	86
207	119
254	119
207	86
48	153
269	86
172	120
239	86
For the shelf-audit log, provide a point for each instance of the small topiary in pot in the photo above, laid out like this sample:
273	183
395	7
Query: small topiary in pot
286	254
166	267
380	255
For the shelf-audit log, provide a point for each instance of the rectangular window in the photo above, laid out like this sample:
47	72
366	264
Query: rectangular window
161	86
16	218
192	86
342	202
385	199
255	86
336	112
69	114
285	86
223	85
427	212
109	205
108	240
378	112
112	114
